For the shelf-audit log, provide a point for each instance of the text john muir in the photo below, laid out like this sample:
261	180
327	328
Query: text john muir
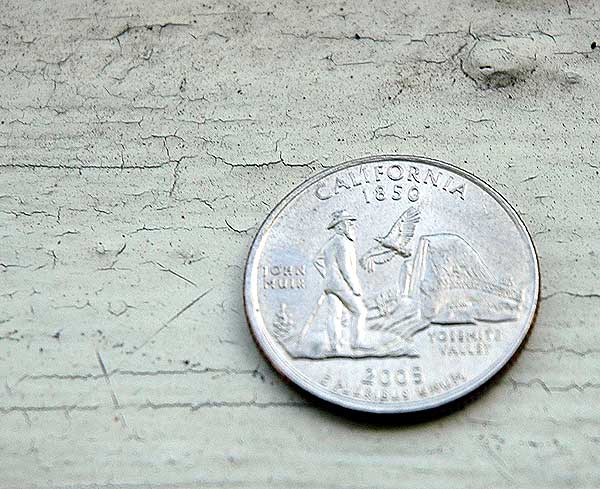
393	181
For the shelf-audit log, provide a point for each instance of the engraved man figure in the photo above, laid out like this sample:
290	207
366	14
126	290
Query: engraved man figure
336	262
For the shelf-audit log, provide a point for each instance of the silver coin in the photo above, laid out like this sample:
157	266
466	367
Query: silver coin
391	284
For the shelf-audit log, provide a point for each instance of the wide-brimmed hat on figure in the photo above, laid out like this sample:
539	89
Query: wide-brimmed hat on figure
340	216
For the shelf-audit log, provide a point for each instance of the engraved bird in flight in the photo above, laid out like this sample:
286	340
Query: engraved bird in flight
394	243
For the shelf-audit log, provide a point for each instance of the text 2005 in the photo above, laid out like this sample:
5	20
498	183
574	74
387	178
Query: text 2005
388	377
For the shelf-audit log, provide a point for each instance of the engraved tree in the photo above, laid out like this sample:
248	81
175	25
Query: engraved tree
282	324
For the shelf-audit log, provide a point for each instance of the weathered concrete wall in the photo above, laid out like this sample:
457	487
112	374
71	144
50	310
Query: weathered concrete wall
142	143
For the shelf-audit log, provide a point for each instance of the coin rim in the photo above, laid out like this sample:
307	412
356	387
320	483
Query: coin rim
283	365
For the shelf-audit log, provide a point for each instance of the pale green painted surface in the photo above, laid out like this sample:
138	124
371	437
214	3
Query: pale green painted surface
141	145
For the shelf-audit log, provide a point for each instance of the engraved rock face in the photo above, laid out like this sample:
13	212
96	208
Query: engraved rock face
456	286
391	264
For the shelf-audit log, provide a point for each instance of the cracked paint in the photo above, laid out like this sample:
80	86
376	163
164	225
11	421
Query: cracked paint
142	144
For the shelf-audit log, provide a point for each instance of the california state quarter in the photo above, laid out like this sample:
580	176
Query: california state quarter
391	284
